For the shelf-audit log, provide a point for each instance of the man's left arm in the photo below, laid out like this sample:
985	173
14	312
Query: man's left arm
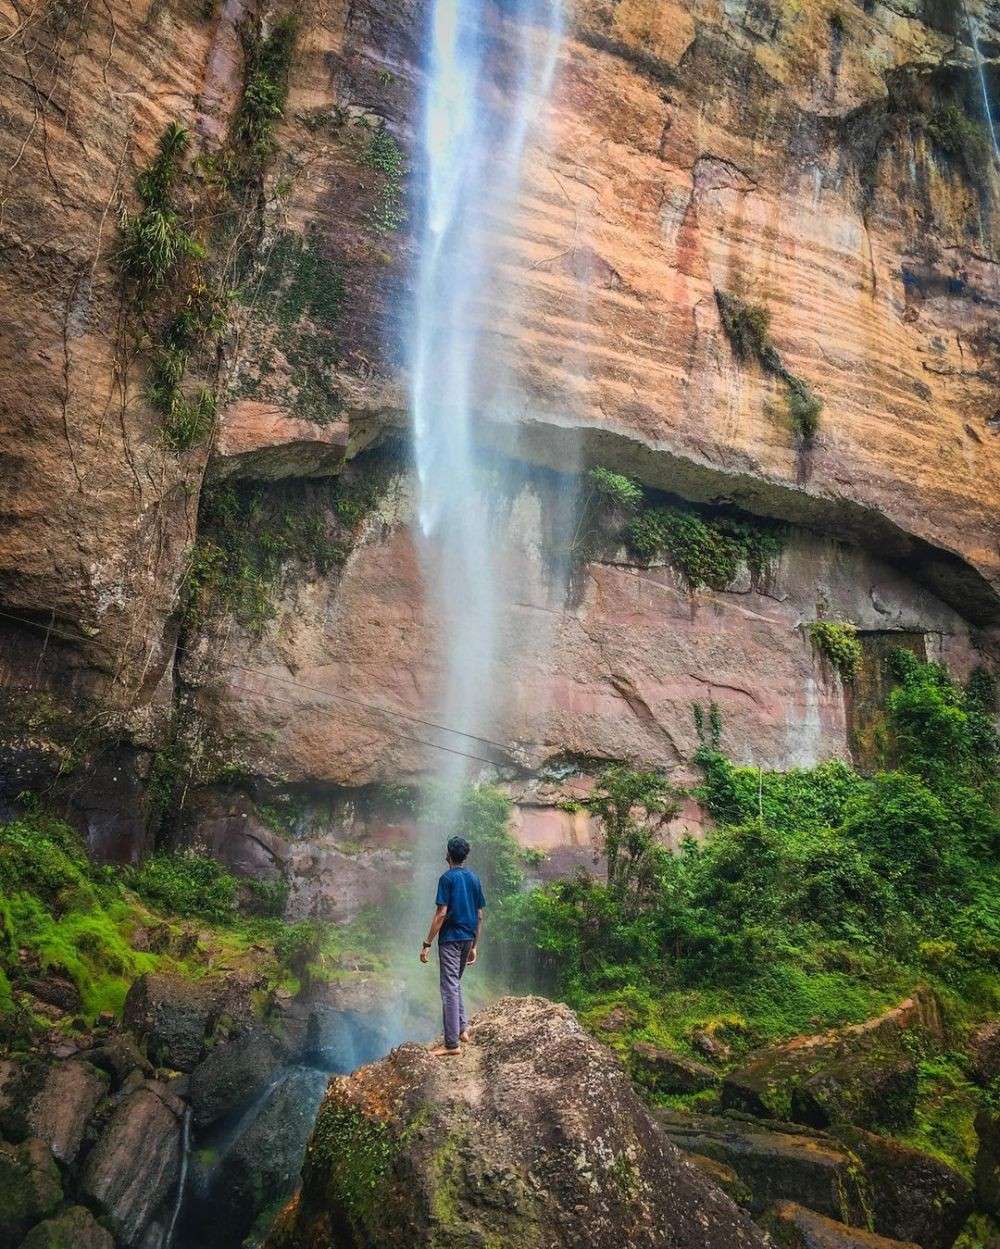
474	952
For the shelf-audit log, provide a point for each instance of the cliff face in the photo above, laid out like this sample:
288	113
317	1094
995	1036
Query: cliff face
795	159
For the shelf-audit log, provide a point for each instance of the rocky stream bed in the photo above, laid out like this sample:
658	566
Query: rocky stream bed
202	1121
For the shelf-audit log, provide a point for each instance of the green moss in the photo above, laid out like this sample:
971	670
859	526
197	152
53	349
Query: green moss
961	139
616	488
349	1161
385	156
943	1123
838	642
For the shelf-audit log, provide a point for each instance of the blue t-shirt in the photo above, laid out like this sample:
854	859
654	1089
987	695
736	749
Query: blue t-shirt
460	891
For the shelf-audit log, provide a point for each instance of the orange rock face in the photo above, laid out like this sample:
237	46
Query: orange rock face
781	154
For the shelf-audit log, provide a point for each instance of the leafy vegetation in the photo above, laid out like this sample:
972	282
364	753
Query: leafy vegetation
265	90
155	239
250	537
838	642
708	552
821	896
748	328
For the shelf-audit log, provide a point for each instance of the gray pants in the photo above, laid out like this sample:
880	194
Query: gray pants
452	956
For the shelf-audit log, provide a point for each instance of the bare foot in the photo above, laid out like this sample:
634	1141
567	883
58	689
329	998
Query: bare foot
464	1036
442	1051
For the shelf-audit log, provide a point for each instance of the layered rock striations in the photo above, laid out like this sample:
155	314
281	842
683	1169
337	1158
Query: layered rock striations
795	159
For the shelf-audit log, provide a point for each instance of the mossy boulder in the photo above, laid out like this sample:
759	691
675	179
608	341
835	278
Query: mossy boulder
863	1075
75	1228
173	1015
30	1189
774	1161
911	1194
533	1137
664	1071
794	1227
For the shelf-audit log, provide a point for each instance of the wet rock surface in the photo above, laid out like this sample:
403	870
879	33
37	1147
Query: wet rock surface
988	1161
795	1227
135	1164
240	1172
534	1136
233	1075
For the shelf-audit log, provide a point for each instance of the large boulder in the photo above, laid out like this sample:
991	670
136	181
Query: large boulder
75	1228
794	1227
135	1164
30	1189
174	1015
912	1195
61	1109
233	1075
534	1137
341	1024
774	1161
863	1074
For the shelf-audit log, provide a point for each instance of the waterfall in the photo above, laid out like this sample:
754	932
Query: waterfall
478	112
171	1228
987	109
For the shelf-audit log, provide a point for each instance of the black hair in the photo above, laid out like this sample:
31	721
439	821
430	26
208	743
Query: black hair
458	849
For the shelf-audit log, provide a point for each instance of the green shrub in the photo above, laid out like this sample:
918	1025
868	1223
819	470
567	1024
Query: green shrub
748	326
706	552
616	488
803	407
838	642
265	91
187	884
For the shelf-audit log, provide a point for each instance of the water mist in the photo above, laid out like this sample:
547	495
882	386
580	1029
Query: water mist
479	109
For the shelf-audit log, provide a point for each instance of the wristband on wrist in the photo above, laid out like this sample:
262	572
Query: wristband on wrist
427	944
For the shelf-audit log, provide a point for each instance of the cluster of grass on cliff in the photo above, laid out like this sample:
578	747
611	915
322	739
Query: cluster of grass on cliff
821	895
251	537
748	328
706	549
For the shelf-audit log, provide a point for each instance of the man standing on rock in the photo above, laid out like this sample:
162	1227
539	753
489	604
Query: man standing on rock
458	919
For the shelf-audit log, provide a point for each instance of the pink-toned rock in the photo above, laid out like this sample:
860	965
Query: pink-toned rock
261	440
60	1111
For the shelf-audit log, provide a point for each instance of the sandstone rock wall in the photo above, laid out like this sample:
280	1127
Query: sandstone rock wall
779	152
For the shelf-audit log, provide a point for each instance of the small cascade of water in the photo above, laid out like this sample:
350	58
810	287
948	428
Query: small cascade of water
478	114
175	1214
987	107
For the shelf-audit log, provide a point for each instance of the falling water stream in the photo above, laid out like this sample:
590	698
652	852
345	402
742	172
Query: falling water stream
987	108
477	118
